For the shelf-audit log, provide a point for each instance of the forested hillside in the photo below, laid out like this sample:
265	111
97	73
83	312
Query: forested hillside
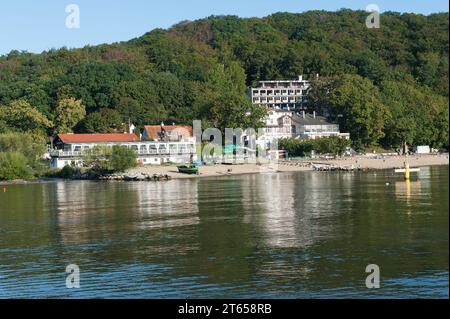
385	86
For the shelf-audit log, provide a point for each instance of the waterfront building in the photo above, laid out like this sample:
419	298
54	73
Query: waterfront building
68	149
287	124
281	95
286	103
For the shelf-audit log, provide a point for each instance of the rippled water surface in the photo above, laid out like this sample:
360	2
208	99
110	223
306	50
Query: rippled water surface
300	235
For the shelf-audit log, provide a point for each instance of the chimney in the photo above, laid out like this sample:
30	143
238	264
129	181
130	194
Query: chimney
303	113
314	114
300	77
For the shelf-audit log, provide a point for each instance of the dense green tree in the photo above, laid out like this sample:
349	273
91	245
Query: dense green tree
29	144
355	104
138	101
417	115
104	121
122	158
22	116
225	104
13	165
93	81
68	113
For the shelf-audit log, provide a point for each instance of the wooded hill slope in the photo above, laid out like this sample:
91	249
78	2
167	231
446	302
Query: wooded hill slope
385	86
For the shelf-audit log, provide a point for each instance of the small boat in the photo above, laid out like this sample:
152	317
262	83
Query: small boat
191	170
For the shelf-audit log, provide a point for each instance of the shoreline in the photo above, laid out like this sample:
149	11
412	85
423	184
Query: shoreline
358	163
363	163
378	162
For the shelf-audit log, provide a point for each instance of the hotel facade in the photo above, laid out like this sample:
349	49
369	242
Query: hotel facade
281	95
287	115
68	149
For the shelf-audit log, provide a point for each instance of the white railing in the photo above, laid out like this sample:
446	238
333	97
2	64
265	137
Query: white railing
60	153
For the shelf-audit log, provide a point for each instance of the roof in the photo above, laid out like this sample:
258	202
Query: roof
98	138
310	120
153	130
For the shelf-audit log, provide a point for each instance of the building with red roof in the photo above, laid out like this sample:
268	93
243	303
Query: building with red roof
97	138
172	133
171	144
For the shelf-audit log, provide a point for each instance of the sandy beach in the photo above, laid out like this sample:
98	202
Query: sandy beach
362	162
214	170
386	162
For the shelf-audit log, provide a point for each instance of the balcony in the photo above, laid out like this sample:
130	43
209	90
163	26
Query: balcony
60	153
161	151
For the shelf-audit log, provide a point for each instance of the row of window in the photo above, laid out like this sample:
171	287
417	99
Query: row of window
320	128
257	92
277	99
146	148
284	84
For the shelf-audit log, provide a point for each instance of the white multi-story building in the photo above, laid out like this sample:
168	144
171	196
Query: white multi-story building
68	149
286	124
282	95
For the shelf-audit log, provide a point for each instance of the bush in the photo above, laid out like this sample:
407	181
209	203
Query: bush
103	159
325	145
331	145
98	159
67	172
122	158
14	165
30	144
296	147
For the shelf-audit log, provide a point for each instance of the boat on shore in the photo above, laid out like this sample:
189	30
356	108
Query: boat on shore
191	170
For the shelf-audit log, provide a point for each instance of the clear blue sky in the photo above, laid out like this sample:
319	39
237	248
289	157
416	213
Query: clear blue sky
35	26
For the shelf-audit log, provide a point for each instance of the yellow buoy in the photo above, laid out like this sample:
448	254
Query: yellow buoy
407	172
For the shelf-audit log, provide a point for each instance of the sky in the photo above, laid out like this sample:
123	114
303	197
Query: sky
36	26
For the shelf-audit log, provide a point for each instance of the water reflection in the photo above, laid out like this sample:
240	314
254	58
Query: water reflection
294	209
131	221
265	235
164	205
407	189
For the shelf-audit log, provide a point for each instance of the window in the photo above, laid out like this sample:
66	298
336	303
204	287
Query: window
173	148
